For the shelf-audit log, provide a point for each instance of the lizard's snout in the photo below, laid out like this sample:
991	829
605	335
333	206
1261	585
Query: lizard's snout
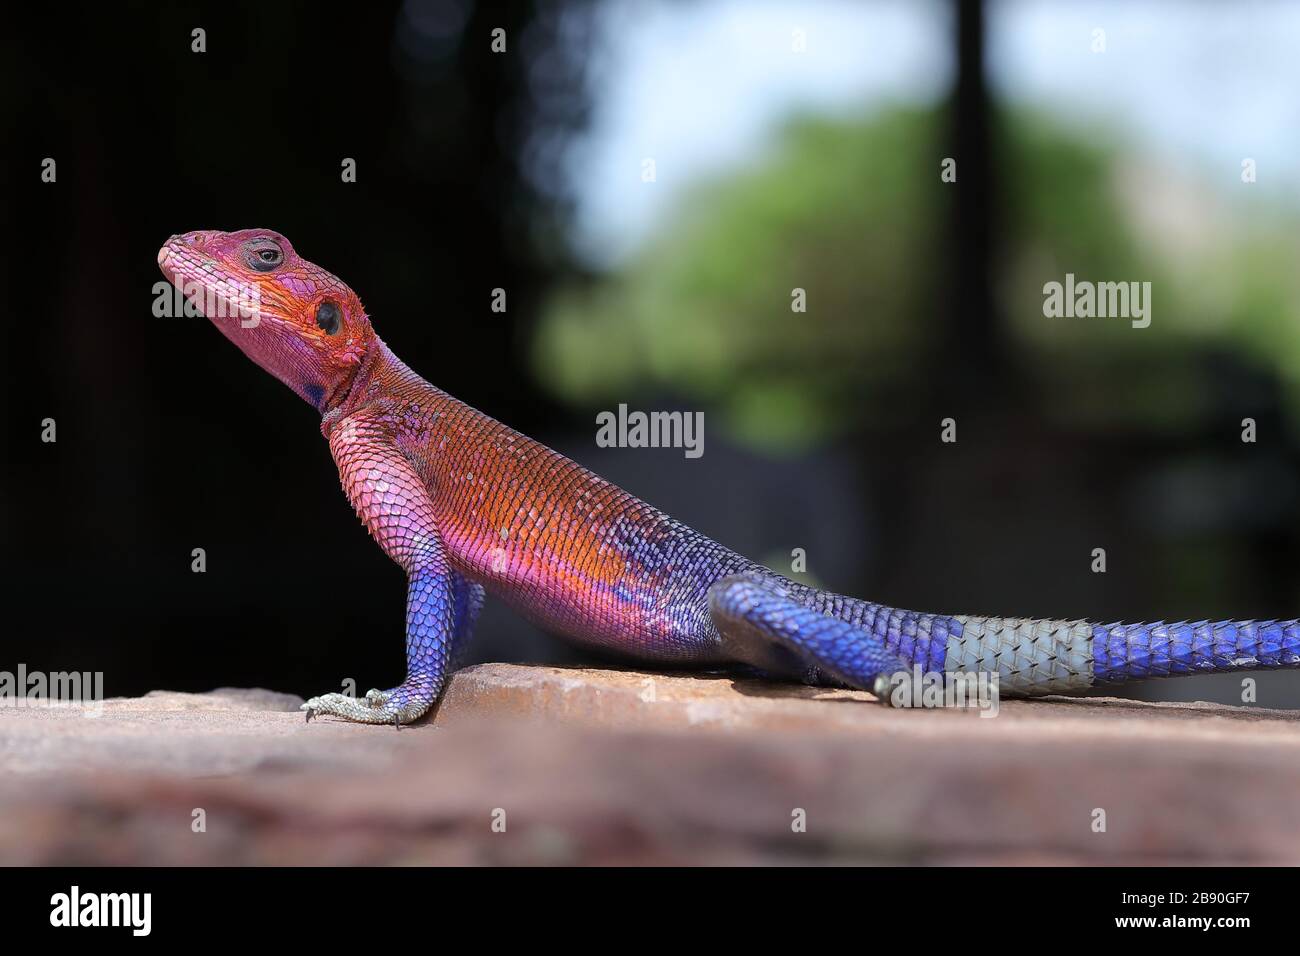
183	240
197	238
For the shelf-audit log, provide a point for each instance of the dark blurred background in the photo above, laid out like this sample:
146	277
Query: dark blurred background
793	146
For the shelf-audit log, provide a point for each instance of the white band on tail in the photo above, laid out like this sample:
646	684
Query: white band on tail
1029	656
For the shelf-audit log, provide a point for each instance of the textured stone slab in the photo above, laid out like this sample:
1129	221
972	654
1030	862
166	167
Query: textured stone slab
603	766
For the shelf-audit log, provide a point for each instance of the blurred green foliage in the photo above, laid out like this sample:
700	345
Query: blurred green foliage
853	212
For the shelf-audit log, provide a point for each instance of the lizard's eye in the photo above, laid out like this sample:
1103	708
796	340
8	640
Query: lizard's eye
328	317
263	255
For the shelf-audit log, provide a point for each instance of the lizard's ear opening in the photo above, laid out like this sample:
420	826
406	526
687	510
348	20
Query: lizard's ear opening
329	317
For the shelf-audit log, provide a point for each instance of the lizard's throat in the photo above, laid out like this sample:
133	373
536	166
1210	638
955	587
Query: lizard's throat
349	390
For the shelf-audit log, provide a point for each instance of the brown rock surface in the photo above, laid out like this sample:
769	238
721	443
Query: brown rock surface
603	766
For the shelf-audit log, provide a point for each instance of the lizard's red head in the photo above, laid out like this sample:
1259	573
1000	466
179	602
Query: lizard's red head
297	321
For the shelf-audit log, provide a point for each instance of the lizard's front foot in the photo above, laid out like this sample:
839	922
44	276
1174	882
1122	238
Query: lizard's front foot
401	705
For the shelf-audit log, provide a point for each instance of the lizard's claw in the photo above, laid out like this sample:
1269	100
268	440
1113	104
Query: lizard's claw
883	687
398	706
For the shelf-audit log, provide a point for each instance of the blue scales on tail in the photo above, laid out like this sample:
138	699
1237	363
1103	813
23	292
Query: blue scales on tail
784	627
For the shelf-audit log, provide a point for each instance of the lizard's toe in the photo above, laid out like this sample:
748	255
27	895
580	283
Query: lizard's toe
398	706
338	705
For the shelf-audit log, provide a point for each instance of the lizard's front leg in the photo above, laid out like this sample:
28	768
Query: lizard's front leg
440	604
431	630
427	662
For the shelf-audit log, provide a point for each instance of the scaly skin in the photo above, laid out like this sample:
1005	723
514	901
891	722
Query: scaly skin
463	503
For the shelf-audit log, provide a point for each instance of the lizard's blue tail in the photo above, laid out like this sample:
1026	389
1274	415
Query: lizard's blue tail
1134	651
858	642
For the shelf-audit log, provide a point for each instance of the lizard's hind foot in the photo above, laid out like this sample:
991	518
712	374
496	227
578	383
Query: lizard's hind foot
763	624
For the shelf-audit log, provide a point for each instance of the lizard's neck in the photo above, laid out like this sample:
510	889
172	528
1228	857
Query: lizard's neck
379	358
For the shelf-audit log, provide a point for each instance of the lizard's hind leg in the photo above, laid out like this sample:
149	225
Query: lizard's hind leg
764	624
